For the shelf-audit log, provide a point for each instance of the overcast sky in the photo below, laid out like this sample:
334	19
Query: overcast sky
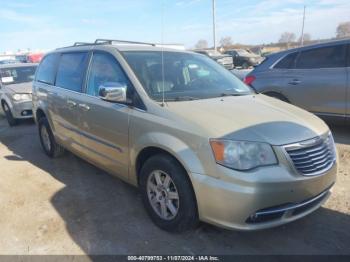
54	23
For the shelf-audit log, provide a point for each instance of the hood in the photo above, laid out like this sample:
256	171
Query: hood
252	118
22	88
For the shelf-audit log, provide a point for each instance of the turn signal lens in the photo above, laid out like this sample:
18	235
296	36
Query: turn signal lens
218	148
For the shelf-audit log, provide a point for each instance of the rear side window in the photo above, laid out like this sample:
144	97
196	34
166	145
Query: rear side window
324	57
47	69
287	62
71	71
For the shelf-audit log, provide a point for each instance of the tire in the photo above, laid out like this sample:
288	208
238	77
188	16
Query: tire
9	117
186	215
47	140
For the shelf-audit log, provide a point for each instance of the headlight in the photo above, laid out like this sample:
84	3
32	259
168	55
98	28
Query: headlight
242	155
18	97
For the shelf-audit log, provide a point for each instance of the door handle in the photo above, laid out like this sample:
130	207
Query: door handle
294	82
84	107
71	103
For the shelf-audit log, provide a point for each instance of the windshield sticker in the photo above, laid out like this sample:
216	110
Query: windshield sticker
7	79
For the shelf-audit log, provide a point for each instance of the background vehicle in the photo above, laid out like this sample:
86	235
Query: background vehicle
34	57
244	58
10	61
314	77
189	138
16	91
222	59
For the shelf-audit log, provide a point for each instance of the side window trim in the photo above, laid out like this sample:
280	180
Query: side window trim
84	70
273	66
348	56
88	70
86	80
317	48
87	73
55	70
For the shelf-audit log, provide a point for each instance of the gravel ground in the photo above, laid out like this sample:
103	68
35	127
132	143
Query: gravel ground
66	206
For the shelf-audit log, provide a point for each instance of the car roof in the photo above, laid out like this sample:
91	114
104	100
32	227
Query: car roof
311	46
16	65
120	47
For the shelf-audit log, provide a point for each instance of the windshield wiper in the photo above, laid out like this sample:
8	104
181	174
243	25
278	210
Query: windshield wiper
231	94
184	98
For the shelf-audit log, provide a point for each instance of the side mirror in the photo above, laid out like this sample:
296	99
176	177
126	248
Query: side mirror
113	92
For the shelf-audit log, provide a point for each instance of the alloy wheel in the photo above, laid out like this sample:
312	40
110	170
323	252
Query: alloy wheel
163	195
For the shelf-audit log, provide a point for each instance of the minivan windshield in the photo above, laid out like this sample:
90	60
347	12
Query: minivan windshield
17	75
187	76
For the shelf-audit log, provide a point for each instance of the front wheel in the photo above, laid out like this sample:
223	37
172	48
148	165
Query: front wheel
9	117
47	140
167	194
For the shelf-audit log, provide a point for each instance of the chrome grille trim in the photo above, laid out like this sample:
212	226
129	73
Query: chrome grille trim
293	206
312	157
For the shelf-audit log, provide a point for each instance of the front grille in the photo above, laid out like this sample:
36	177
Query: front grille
313	157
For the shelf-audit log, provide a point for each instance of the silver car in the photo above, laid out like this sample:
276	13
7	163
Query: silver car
198	142
315	77
16	91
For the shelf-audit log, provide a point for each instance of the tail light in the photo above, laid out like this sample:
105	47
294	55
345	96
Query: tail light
249	80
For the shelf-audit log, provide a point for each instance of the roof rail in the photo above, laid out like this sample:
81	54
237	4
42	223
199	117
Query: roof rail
111	41
82	43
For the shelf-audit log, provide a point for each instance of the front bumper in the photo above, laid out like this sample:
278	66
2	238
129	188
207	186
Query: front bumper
238	200
22	109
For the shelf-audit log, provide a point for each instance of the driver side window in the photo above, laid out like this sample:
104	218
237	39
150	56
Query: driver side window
104	70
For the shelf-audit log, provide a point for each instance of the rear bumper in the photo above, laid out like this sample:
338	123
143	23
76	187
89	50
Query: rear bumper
253	205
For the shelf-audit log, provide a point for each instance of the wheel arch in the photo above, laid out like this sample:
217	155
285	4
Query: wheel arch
277	94
147	153
157	142
5	99
39	114
150	151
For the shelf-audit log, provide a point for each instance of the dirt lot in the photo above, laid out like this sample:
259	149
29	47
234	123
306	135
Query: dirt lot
66	206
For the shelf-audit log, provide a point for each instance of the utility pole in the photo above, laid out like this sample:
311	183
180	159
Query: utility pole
302	29
214	25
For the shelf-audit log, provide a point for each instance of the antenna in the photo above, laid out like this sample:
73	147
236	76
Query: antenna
214	24
302	29
162	43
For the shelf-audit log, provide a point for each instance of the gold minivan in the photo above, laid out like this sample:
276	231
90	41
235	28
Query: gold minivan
198	142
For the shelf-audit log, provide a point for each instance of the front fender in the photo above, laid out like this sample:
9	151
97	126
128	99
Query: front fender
40	105
5	98
174	146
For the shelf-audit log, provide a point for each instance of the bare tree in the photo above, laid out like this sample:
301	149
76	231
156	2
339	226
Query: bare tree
287	37
201	44
307	38
343	30
226	41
